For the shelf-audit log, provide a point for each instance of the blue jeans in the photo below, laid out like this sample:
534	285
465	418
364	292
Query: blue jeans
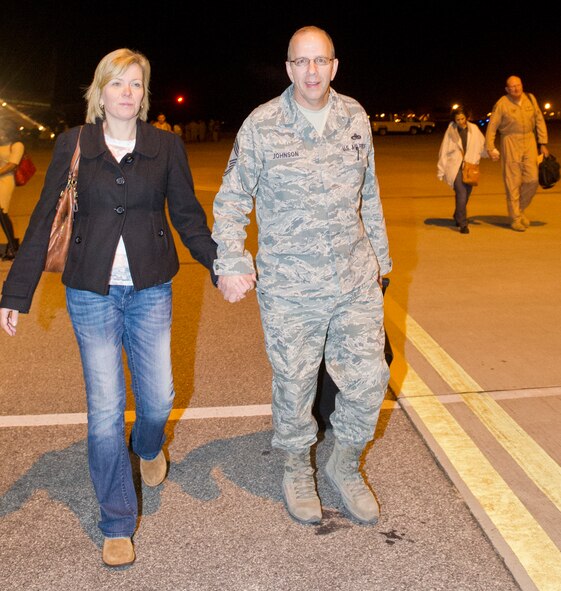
139	321
462	193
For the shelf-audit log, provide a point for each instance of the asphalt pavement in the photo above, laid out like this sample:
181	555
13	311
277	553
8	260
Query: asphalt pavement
466	458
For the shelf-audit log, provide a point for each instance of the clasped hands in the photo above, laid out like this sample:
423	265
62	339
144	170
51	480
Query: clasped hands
235	287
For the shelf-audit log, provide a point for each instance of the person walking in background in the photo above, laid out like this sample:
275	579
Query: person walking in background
11	153
307	159
462	141
193	131
178	129
519	122
162	123
216	130
118	278
201	136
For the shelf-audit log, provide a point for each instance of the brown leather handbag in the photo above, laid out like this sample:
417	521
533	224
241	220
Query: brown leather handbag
470	173
61	230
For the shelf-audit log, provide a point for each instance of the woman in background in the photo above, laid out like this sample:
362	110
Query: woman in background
11	152
462	141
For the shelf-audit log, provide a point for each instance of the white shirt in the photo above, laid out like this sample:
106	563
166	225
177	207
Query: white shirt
316	118
120	272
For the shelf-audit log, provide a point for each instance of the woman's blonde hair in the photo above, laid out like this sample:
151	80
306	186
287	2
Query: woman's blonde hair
112	66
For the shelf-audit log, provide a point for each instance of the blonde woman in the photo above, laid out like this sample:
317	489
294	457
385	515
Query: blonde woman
118	279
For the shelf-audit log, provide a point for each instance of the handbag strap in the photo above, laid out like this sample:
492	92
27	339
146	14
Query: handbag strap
73	171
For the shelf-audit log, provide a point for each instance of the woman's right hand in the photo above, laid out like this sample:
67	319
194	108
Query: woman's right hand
235	287
9	320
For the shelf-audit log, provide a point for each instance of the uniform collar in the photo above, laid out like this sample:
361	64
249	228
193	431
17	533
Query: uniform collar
290	109
338	118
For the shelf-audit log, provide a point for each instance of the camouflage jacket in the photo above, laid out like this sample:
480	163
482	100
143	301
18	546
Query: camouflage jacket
320	222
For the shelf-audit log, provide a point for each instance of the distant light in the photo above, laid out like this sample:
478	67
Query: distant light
180	99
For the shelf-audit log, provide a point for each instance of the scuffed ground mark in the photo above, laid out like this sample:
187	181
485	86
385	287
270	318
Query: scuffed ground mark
392	537
332	521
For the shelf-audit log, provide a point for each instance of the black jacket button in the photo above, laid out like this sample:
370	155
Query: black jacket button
78	239
161	233
120	209
120	180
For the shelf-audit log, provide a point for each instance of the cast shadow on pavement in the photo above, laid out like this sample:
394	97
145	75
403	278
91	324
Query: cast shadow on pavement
64	476
446	222
249	461
501	221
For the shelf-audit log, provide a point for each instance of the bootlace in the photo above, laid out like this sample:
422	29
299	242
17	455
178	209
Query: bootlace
302	477
353	479
304	486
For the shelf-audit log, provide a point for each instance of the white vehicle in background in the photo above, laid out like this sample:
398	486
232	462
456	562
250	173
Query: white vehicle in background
383	123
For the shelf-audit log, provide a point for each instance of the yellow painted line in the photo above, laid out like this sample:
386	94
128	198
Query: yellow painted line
534	549
540	467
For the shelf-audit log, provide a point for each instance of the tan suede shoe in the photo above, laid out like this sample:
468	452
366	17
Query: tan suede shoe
118	552
154	471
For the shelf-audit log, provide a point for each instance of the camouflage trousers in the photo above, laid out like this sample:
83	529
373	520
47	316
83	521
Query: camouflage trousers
349	331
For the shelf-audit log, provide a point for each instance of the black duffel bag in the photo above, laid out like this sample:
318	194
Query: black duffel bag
548	171
324	403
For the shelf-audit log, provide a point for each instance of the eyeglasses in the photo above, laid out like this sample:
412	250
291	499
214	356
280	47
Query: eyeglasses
300	62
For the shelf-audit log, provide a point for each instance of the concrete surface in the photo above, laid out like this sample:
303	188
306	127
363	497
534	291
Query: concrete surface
466	458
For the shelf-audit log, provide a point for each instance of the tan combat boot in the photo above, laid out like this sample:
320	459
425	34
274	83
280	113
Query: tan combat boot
342	472
299	488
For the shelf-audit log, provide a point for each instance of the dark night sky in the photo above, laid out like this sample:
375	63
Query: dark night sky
227	61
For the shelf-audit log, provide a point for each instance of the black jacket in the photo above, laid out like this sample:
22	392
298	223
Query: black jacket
114	199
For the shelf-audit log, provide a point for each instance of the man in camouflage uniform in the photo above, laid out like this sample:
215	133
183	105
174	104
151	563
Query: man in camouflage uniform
306	160
518	120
